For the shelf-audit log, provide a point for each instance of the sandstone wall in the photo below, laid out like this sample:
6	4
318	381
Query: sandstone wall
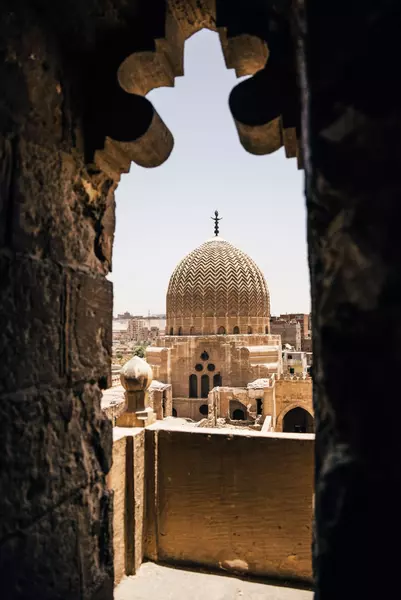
56	233
292	393
231	501
127	480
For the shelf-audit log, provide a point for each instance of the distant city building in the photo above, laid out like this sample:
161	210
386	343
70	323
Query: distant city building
290	331
295	363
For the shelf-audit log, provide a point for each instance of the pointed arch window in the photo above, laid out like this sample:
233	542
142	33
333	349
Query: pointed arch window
205	386
193	386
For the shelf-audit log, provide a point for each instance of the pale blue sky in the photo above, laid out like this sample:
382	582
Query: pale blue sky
164	213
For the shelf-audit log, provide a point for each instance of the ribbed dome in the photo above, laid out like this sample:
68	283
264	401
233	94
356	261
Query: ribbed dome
217	287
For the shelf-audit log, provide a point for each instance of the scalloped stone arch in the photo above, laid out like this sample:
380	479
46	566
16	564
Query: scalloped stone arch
157	62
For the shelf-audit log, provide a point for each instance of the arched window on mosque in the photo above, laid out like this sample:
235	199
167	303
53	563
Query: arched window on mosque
204	410
171	331
193	386
266	329
221	330
249	329
217	380
236	330
192	331
174	413
205	385
180	331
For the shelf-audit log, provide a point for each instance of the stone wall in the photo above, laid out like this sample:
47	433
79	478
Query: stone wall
56	234
127	480
292	393
231	501
237	359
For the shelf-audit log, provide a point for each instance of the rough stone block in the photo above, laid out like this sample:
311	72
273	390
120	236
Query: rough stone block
89	336
64	444
30	322
233	502
62	555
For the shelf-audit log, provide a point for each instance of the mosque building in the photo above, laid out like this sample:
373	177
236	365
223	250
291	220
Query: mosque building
218	355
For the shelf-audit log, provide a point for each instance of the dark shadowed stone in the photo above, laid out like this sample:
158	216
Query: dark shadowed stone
352	141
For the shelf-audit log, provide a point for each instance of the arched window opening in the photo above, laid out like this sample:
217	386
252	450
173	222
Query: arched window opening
211	367
249	329
238	415
192	331
236	330
171	331
221	330
204	355
259	406
204	410
217	380
205	386
193	386
298	420
266	329
198	367
180	331
175	413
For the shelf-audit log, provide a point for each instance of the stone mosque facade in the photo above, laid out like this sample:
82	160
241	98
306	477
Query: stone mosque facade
218	355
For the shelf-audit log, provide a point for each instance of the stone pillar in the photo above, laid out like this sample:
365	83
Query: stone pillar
56	232
351	138
136	377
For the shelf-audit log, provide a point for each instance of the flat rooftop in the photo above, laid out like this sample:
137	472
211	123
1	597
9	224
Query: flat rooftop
156	582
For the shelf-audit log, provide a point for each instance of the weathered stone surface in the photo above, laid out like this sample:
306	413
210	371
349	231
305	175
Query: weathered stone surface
209	486
62	555
352	127
56	231
61	437
30	331
89	332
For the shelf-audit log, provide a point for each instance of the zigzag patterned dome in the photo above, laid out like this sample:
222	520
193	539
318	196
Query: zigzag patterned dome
216	289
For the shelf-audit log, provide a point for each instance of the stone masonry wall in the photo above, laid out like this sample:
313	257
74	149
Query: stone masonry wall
292	393
56	232
234	502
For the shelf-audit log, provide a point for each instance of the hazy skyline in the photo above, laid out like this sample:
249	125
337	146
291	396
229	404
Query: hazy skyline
164	213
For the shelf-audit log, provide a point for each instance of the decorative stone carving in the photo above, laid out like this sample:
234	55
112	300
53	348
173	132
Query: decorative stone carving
136	377
217	286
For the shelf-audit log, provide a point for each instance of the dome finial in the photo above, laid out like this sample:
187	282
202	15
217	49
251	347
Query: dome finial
216	220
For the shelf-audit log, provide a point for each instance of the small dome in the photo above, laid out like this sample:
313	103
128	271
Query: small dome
136	375
217	288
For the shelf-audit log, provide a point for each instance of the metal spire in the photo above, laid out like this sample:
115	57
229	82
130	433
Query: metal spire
216	220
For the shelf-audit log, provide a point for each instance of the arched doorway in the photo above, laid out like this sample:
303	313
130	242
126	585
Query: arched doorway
193	386
238	415
174	412
217	380
205	384
298	420
238	411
